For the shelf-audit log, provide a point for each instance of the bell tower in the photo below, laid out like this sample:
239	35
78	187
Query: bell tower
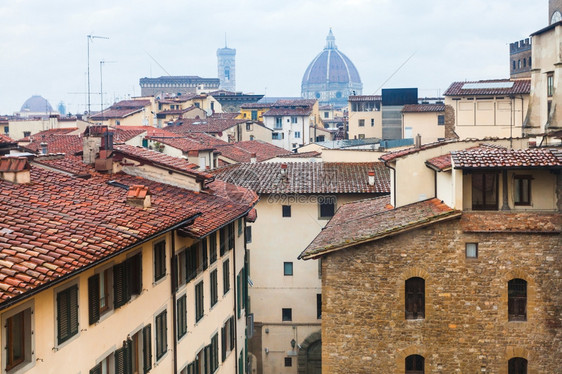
226	62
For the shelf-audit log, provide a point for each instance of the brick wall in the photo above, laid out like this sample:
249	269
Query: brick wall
450	123
466	328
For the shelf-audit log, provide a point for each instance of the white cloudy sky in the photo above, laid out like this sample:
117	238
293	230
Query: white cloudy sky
43	45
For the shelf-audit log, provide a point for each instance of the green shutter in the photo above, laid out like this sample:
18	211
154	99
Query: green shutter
147	348
67	314
94	298
96	369
238	295
134	269
121	289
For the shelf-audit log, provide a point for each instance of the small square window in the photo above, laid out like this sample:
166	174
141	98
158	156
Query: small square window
288	362
286	210
471	250
441	119
287	268
287	314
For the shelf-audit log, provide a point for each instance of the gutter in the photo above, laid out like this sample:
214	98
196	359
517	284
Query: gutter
52	283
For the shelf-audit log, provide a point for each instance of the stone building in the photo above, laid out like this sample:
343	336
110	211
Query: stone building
331	77
520	59
465	278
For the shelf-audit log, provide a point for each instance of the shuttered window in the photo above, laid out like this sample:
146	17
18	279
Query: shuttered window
120	285
67	313
159	260
214	287
214	353
182	316
231	236
147	348
225	276
123	358
192	262
161	335
223	240
94	298
213	248
204	254
96	369
199	302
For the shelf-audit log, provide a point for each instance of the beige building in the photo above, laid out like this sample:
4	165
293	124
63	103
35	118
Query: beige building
20	128
365	117
227	129
127	272
460	275
426	120
489	109
545	80
140	111
296	201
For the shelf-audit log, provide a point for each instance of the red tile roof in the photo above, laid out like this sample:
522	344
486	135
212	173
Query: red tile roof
123	134
71	164
208	125
362	222
408	151
59	225
242	151
486	158
4	139
307	177
122	109
46	133
184	144
440	163
56	143
157	158
256	105
288	112
309	154
520	86
14	164
423	108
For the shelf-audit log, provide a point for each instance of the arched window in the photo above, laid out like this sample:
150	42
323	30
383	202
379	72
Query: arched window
415	364
517	365
513	64
415	298
517	300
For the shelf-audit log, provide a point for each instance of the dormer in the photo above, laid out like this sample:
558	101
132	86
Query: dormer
15	170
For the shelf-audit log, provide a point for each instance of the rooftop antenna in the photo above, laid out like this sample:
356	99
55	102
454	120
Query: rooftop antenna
89	39
395	71
101	85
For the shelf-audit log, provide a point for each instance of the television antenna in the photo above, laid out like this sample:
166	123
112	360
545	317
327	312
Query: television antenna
90	38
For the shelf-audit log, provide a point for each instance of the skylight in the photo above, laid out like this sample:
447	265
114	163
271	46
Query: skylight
486	85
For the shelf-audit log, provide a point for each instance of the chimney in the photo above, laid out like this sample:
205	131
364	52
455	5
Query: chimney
15	170
44	148
371	177
417	141
139	196
97	148
253	158
284	169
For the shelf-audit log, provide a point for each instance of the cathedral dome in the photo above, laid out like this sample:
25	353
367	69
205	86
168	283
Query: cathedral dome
36	104
331	76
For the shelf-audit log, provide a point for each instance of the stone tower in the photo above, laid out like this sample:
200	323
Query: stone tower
226	62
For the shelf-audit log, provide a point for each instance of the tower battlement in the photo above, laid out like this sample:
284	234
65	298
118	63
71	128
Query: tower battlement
520	46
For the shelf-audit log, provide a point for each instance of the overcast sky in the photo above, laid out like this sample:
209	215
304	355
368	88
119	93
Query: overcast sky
43	44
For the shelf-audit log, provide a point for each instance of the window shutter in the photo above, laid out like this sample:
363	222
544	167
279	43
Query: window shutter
135	274
96	369
204	253
232	337
73	317
238	295
120	289
94	298
223	344
207	355
62	316
147	348
120	360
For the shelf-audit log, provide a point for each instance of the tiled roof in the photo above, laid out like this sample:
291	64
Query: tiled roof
59	224
288	112
486	158
242	151
115	113
13	164
423	108
161	159
365	98
184	144
520	86
224	115
123	134
358	223
56	143
46	133
4	139
308	154
206	139
520	222
295	102
440	163
256	105
307	177
71	164
208	125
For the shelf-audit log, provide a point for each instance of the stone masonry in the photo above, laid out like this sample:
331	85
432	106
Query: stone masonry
466	327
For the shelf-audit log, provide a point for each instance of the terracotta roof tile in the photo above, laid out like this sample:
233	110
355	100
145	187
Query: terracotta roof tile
423	108
14	164
288	112
307	177
161	159
6	139
60	224
520	86
486	158
440	163
371	220
209	125
242	151
56	143
184	144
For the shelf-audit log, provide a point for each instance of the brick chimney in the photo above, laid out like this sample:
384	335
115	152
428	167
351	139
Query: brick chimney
15	170
96	140
284	169
253	158
139	196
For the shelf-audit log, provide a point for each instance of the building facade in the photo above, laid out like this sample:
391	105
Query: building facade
460	280
364	117
174	85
